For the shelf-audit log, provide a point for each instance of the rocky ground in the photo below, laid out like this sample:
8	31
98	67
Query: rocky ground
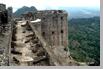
26	49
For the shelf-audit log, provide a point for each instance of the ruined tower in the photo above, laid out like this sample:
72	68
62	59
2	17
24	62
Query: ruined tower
3	14
10	11
54	27
2	7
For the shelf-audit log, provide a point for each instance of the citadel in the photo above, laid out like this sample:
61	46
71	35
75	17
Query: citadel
35	39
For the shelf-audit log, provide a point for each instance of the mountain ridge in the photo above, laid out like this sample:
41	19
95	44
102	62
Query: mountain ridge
73	12
24	9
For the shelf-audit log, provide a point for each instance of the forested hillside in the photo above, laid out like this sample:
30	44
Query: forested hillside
84	39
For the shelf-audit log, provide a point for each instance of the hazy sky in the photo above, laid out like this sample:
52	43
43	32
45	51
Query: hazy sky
51	4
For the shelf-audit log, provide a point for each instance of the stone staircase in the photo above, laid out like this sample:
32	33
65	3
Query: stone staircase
27	49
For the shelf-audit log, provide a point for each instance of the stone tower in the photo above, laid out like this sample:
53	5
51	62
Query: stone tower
3	14
10	12
54	27
2	7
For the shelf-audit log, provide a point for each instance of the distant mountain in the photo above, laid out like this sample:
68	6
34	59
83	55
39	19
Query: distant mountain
73	12
81	12
24	9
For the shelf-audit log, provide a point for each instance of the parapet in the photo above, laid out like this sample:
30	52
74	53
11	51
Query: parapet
52	11
43	13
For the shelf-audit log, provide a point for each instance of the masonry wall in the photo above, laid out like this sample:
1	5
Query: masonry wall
37	26
2	7
5	40
10	12
54	27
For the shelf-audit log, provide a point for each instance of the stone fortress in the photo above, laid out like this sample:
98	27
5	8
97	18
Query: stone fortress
51	27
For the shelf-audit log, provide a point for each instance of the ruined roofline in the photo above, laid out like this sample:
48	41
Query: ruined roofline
10	7
47	12
52	11
1	4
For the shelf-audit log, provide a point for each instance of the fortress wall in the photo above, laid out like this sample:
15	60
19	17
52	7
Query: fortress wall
45	28
10	12
54	28
37	26
6	39
63	29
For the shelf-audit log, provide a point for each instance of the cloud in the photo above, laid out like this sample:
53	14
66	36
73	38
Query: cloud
51	4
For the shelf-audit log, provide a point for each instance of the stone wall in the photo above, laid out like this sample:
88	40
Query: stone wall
5	36
10	12
2	7
54	27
